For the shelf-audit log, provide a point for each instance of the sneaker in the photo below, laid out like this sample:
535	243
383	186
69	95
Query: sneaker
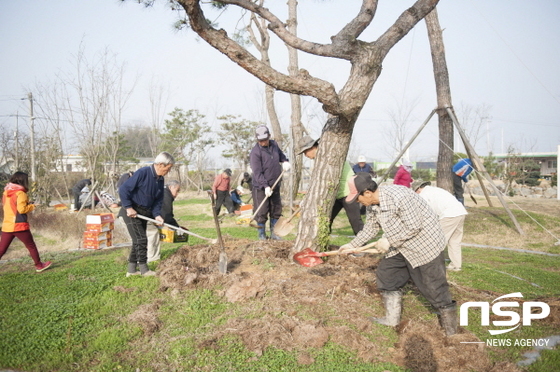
43	266
131	274
149	273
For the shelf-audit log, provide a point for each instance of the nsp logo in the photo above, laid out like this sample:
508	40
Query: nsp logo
527	313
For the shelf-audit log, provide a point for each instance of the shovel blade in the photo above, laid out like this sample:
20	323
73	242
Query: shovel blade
222	263
308	258
282	227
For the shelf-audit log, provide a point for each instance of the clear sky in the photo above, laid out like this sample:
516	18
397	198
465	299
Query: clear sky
503	54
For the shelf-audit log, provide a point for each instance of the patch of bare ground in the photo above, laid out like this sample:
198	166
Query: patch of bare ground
537	205
291	307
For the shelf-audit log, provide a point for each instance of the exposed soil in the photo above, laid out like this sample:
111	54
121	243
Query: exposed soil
301	307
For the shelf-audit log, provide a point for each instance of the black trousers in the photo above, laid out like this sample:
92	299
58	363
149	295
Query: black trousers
137	229
223	198
352	211
394	272
272	206
77	203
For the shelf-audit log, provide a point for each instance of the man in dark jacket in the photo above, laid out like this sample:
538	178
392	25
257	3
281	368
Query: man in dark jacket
143	194
265	159
77	191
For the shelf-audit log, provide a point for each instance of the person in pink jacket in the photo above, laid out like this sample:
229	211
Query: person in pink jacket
403	176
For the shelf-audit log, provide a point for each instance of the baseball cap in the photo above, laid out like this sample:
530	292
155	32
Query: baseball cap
358	184
262	133
227	171
361	159
305	143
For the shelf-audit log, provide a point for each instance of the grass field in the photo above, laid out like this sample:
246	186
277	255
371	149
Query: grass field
84	315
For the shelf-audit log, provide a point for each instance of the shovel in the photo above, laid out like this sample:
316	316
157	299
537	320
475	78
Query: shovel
213	241
310	258
471	195
222	261
283	226
264	200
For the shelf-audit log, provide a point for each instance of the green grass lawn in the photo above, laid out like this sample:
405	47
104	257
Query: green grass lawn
78	316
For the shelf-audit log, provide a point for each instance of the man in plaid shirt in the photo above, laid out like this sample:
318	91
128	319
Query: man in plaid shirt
414	242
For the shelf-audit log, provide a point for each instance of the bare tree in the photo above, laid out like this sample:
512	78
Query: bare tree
262	43
396	134
159	96
94	98
344	107
474	121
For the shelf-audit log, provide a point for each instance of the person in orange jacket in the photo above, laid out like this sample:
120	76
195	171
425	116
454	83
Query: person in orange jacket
15	225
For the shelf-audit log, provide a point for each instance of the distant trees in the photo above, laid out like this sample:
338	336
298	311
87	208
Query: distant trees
187	136
238	136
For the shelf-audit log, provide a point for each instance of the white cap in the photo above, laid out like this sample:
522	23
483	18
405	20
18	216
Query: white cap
361	159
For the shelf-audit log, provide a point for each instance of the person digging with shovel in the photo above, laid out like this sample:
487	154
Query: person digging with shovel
414	242
267	162
142	195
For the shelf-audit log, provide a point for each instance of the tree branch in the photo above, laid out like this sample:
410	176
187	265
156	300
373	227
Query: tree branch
355	27
303	83
406	21
280	29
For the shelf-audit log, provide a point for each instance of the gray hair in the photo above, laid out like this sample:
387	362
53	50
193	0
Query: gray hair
173	183
164	158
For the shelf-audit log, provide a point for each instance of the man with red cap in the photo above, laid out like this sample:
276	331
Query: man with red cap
413	241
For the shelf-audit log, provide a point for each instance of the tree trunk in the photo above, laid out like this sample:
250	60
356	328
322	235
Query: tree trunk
443	90
297	129
313	228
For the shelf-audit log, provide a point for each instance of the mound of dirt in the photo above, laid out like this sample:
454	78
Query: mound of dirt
301	307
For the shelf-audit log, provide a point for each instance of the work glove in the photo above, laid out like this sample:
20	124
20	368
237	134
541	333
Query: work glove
268	191
286	166
345	247
383	245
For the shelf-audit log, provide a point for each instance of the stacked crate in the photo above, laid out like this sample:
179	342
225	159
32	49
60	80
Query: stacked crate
99	231
244	214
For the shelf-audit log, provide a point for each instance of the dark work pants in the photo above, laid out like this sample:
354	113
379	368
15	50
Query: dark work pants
27	240
223	198
137	229
394	272
77	195
352	211
272	206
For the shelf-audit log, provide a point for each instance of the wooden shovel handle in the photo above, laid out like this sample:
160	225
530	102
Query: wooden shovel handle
356	250
294	214
266	197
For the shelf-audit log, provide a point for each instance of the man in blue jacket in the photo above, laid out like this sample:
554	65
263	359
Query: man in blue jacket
143	194
265	159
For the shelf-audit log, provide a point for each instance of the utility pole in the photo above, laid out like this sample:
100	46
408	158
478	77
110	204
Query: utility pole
32	128
16	139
